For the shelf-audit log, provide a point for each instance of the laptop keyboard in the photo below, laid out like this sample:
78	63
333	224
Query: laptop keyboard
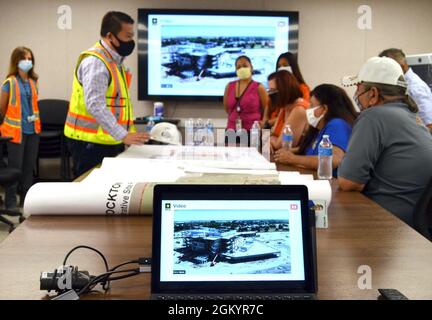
234	297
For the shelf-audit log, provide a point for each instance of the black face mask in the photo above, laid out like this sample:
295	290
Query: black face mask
274	98
125	48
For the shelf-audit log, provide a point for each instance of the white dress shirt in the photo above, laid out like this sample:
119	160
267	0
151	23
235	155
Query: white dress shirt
420	92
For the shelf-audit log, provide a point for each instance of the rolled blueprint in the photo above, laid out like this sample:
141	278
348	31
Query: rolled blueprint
317	189
65	198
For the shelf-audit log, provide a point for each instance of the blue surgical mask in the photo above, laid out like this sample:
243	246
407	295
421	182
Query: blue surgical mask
25	65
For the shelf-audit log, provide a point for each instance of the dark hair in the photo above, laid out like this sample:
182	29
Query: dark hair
292	60
339	106
243	57
288	88
395	54
17	55
112	22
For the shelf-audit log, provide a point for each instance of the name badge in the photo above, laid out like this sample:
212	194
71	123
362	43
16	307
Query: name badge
31	118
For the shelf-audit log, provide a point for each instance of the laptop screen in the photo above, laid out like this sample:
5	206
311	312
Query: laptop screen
229	237
235	240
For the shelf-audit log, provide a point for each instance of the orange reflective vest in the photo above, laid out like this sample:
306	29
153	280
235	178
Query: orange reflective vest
80	124
12	123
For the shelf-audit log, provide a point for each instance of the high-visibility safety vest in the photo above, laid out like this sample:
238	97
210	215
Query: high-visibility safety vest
80	124
12	124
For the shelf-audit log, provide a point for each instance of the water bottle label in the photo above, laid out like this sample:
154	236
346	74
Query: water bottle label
325	152
287	138
158	109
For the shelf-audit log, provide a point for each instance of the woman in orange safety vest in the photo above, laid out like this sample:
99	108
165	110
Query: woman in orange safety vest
20	120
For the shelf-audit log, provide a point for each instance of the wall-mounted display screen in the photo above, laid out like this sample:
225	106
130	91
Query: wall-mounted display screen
191	54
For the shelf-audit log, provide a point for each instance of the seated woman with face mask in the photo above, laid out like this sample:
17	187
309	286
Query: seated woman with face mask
286	62
331	113
286	98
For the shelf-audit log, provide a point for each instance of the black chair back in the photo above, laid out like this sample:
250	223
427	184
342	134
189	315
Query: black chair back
53	113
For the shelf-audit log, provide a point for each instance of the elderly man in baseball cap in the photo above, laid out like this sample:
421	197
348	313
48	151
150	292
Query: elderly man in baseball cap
389	156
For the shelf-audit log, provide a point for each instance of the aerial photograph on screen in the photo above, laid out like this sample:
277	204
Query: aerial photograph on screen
232	247
209	54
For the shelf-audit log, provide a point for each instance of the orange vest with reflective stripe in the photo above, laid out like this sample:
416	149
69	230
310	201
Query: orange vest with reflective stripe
12	124
80	124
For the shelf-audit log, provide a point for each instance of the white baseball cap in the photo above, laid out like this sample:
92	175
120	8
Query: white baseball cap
378	70
166	132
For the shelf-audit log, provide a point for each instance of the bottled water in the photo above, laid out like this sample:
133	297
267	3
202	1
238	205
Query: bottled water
199	132
158	109
325	158
287	137
255	135
149	126
210	138
238	124
189	132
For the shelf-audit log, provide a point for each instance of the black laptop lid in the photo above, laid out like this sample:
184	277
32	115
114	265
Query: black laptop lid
215	239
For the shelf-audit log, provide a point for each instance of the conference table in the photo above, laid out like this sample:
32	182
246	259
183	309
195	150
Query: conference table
364	248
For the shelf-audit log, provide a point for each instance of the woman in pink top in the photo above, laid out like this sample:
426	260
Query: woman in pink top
244	98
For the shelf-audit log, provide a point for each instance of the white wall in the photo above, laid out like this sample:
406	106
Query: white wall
331	45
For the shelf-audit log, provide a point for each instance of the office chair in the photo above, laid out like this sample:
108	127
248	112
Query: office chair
52	143
7	177
423	213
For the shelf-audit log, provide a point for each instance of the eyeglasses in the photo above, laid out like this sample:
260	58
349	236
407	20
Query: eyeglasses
358	96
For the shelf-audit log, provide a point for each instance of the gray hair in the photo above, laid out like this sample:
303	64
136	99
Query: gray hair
395	54
387	91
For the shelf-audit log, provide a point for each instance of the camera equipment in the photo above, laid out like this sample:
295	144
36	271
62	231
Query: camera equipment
70	283
65	278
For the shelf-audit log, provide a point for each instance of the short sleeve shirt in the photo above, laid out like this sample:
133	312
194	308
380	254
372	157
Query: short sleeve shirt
391	154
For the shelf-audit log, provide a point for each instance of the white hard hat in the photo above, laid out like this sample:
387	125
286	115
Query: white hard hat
166	132
378	70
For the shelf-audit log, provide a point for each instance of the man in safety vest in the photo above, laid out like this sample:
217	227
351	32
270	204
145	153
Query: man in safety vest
100	117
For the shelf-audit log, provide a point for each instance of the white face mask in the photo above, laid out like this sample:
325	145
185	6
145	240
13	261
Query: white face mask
312	120
286	68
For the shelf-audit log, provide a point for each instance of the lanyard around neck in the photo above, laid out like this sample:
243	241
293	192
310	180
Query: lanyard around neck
238	99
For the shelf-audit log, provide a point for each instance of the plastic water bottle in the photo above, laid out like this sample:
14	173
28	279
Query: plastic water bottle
158	109
210	138
255	135
287	137
189	132
325	158
238	124
199	133
149	126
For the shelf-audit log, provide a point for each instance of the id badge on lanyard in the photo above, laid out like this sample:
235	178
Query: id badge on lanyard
31	118
238	99
28	94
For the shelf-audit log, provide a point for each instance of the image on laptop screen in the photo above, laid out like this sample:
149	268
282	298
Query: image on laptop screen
231	240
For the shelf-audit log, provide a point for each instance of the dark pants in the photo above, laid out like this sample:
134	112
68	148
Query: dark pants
23	157
86	155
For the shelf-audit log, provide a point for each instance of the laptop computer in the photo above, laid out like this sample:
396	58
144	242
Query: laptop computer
233	242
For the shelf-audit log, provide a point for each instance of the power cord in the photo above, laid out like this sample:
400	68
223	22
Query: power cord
105	286
81	282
